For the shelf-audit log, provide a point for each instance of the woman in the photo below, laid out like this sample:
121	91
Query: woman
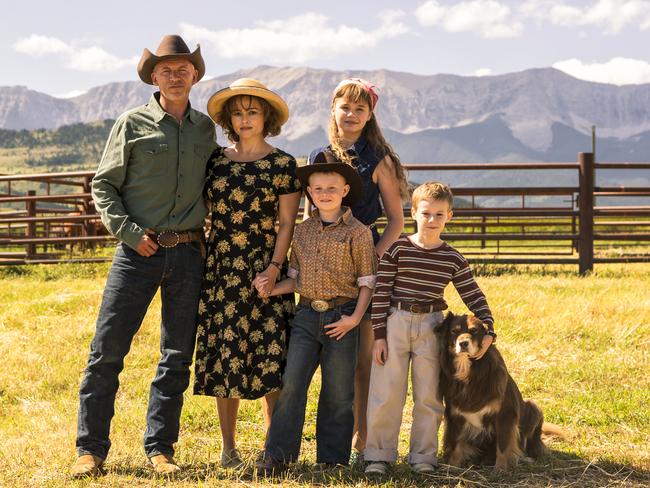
241	337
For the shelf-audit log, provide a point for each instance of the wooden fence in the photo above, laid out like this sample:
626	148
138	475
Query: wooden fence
58	221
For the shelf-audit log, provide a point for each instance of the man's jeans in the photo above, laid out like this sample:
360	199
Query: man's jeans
132	283
309	346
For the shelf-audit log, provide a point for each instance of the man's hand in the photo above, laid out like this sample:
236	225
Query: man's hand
485	345
341	327
147	246
380	351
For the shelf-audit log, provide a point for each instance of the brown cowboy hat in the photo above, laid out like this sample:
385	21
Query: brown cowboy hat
320	164
171	46
247	86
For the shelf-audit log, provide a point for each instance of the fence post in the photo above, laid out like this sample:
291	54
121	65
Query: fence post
88	208
30	206
586	212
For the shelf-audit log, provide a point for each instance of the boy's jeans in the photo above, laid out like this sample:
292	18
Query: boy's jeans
411	340
131	285
309	347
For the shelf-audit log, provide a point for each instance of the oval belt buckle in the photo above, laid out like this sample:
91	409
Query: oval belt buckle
320	305
169	238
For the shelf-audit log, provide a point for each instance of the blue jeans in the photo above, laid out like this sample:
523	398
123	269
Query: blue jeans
309	347
132	283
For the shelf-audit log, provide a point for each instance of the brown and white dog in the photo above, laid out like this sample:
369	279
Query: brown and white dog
486	418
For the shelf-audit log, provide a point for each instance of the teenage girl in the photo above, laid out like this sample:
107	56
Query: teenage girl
355	138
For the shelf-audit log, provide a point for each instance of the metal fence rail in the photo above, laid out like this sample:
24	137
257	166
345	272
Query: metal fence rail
53	223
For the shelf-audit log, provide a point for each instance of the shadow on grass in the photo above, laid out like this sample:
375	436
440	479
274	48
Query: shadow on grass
558	469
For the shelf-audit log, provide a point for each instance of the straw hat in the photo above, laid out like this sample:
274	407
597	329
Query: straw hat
171	46
320	164
247	86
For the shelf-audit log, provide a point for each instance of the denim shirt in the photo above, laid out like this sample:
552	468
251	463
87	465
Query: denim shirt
368	209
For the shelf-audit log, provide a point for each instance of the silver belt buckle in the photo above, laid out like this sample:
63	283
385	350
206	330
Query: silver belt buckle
169	238
319	305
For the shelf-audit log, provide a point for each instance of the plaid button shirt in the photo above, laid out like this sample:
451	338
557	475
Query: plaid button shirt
329	261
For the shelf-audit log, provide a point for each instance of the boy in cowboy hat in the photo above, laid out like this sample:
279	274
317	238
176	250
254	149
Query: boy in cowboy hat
332	267
148	190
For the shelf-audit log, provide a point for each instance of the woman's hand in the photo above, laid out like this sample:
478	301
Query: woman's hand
266	280
259	283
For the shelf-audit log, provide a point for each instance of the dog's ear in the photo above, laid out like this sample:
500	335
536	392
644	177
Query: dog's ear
476	321
444	325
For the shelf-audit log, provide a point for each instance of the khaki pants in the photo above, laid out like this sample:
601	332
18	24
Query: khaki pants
411	340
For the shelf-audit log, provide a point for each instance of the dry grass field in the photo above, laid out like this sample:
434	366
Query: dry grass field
579	346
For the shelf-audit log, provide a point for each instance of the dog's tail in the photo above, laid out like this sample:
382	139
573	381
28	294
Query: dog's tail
552	430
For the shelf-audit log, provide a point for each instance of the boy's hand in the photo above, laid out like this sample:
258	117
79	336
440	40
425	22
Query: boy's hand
485	345
341	327
380	351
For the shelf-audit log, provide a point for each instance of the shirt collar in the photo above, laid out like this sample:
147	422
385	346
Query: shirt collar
360	144
343	219
159	113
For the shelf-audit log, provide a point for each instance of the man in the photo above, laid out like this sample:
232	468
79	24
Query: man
148	190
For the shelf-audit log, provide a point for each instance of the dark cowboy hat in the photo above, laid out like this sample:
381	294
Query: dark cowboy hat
320	164
172	46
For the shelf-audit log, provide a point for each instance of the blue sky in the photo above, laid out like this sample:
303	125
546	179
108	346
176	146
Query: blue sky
62	48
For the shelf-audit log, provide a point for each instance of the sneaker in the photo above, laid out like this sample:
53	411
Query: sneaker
267	466
423	468
231	459
377	468
356	459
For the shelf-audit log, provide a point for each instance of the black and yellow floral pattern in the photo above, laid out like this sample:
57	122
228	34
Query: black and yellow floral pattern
241	338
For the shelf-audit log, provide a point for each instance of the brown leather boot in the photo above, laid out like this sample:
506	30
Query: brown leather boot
164	465
87	465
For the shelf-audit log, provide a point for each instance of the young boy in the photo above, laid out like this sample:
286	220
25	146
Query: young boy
407	304
332	267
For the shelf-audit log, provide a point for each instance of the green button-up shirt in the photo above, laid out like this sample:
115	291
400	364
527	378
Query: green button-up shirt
152	172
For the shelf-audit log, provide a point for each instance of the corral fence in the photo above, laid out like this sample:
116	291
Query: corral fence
57	221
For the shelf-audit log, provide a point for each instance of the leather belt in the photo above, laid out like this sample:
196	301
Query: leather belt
324	305
417	307
171	238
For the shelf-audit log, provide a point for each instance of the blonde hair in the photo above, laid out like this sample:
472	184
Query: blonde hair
432	190
358	94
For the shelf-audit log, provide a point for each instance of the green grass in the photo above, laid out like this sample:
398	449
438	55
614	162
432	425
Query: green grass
578	346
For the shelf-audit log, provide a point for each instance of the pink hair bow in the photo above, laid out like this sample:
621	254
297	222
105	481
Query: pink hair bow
369	86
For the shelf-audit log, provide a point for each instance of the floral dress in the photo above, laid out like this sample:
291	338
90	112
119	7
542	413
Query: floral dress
241	338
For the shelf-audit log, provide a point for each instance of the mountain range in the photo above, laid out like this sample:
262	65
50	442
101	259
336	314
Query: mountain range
533	115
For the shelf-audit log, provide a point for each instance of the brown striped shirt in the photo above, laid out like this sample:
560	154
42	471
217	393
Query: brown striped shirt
412	274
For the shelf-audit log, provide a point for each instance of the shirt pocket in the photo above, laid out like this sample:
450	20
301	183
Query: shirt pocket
151	159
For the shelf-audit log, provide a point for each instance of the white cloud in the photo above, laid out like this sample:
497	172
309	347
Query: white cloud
80	58
489	18
610	15
617	71
97	59
70	94
296	39
36	45
483	72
